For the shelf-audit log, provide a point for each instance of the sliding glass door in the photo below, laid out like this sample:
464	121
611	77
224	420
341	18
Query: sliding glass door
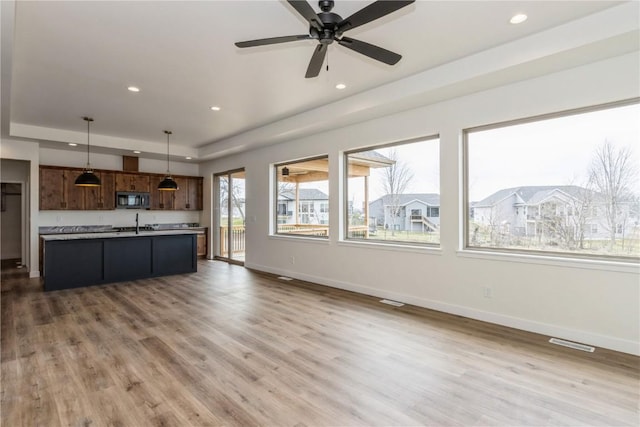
230	216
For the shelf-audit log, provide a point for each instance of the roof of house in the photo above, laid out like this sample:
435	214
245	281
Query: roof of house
432	199
371	158
533	194
304	194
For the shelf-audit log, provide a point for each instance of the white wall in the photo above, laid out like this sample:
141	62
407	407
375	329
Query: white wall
78	158
591	302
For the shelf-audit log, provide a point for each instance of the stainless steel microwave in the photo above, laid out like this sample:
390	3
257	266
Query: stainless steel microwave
132	200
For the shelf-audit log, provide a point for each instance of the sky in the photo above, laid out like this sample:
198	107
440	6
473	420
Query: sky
550	152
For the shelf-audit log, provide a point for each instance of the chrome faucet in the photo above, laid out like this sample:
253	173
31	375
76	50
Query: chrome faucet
137	225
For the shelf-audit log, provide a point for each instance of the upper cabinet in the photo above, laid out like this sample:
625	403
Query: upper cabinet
132	182
58	190
188	196
103	197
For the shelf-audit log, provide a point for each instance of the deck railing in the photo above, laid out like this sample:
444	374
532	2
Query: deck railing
304	229
237	239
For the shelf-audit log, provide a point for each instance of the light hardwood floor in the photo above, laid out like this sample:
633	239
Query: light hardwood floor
228	346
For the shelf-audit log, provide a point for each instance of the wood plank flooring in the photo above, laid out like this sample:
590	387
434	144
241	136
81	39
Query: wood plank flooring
230	347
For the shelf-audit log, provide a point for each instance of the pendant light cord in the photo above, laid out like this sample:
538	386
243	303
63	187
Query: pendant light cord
88	120
168	132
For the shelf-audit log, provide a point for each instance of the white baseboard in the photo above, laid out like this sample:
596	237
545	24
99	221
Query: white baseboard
596	340
34	273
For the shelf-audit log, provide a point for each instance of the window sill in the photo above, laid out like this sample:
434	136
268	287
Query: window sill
429	250
591	264
298	238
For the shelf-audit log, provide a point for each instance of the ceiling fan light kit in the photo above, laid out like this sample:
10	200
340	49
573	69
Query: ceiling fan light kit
327	27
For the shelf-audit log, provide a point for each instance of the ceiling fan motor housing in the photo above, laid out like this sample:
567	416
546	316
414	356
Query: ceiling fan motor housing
328	33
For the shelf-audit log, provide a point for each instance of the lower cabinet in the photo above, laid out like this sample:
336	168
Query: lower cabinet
83	262
202	245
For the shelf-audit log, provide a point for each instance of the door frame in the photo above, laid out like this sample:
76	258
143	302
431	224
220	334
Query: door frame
216	217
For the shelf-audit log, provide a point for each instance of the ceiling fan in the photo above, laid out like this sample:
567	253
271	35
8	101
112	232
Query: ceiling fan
327	27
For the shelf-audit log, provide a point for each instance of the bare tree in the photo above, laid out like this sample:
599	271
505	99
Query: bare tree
395	180
613	174
235	196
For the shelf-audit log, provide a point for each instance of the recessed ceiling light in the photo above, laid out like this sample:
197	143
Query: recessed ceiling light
136	151
341	86
215	108
519	18
73	144
133	89
188	158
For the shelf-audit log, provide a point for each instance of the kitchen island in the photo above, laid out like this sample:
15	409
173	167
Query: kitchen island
84	259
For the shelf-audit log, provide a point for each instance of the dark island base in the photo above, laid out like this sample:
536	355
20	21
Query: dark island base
84	262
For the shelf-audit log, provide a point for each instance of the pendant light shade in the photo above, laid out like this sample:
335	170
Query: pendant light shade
88	178
168	184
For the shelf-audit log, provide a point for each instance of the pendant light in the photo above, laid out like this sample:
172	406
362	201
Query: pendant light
168	184
88	178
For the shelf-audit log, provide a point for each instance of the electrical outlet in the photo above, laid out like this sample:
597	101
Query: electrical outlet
487	292
292	260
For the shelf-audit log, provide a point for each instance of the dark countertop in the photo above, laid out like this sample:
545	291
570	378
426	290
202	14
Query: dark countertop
118	234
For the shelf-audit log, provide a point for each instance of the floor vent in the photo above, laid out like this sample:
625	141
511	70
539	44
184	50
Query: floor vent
285	278
394	303
573	345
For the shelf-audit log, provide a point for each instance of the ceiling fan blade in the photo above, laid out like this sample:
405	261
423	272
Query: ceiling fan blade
316	61
273	40
372	12
372	51
307	12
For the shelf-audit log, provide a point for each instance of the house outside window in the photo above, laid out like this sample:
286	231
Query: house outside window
398	187
302	198
561	183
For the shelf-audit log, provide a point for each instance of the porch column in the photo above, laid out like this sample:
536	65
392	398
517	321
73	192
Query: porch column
366	206
295	207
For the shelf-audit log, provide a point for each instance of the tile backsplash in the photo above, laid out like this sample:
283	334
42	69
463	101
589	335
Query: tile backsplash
116	218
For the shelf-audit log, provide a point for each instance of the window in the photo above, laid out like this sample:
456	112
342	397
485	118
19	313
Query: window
395	193
558	166
302	197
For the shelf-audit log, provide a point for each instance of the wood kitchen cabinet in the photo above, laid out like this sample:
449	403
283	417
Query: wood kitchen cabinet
188	196
160	200
132	182
103	197
58	190
201	243
194	194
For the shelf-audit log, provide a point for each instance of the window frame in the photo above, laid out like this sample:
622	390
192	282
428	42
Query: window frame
466	248
344	184
275	167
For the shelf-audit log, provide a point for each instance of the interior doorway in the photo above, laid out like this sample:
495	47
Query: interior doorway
229	216
11	223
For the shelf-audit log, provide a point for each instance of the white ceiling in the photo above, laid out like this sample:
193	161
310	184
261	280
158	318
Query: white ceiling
75	58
